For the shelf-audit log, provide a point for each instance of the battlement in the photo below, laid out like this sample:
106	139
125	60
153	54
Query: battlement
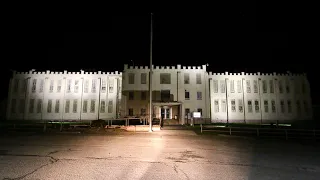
81	72
178	67
257	74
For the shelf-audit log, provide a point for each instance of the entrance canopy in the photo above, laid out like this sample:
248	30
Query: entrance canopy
165	103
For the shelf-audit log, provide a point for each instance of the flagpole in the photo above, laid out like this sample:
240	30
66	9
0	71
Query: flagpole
150	79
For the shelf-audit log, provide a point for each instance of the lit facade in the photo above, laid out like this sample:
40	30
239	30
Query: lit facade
177	92
64	95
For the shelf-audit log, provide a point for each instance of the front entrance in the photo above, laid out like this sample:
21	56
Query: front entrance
165	113
169	112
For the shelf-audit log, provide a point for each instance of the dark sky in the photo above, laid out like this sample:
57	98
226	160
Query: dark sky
229	39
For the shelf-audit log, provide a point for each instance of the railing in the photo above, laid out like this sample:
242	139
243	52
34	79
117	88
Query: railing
263	132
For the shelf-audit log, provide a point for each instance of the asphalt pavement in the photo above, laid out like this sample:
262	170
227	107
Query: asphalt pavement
166	154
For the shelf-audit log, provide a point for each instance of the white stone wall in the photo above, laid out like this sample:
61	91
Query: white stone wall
291	94
295	89
59	98
177	86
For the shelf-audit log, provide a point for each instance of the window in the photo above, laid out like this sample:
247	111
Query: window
103	106
51	86
186	78
75	106
187	111
297	87
22	104
264	86
103	86
215	86
131	95
240	104
200	110
69	86
86	86
23	86
130	111
232	86
306	107
255	86
110	106
31	106
273	106
13	106
165	78
271	86
111	85
94	86
34	85
223	105
266	107
282	106
143	78
216	105
143	95
76	86
92	106
222	86
249	106
67	107
256	106
298	107
131	78
49	107
287	86
165	95
289	106
233	105
39	105
280	86
303	87
239	86
199	95
85	106
186	94
143	111
15	85
59	86
57	106
248	86
198	76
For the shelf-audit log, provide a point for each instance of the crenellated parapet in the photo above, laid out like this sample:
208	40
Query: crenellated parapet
258	74
177	67
65	72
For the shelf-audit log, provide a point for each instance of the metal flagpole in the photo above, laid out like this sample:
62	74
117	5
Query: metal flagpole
150	80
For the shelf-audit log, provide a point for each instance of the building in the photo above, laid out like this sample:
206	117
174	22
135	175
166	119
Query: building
64	95
177	92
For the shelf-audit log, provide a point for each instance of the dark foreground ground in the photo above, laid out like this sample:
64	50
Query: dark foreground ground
168	154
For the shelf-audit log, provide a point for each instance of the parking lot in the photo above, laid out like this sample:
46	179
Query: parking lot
166	154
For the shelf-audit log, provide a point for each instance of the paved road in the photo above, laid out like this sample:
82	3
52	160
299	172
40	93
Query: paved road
160	155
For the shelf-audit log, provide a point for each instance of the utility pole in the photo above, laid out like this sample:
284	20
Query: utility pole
150	79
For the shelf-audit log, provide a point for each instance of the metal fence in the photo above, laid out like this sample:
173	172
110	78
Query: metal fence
263	132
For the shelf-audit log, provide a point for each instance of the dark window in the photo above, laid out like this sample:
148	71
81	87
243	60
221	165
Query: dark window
143	95
131	95
130	112
186	94
165	95
165	78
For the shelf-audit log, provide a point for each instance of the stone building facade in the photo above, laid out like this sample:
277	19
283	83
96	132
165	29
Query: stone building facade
177	92
64	95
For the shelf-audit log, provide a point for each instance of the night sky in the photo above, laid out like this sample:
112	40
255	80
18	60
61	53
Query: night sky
231	39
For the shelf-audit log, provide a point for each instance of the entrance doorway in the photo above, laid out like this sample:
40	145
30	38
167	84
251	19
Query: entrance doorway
165	113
